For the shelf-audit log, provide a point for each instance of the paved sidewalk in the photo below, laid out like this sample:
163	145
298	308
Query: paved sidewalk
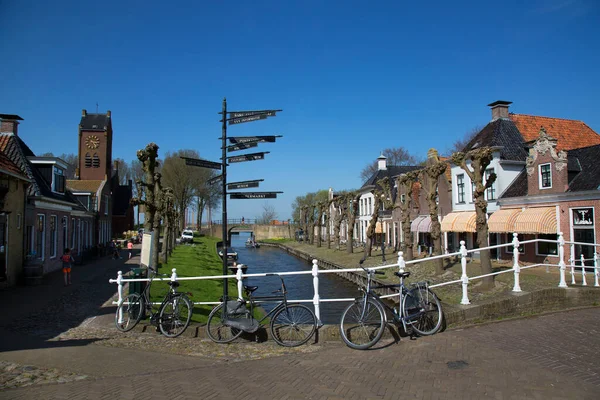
547	357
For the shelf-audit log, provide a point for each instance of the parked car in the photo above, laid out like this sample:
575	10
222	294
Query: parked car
187	236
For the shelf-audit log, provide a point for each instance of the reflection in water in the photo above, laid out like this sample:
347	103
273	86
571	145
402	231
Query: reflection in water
269	259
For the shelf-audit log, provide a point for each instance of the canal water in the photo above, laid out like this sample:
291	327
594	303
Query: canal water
268	259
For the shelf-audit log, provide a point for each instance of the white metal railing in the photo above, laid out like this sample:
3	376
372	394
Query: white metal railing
401	265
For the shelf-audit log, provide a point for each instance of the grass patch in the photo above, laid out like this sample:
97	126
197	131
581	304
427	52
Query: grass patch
197	259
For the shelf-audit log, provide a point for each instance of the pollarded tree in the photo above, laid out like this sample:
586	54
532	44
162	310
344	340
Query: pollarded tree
406	192
382	202
351	211
339	202
474	162
429	184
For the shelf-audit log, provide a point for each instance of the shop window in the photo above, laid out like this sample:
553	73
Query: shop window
545	248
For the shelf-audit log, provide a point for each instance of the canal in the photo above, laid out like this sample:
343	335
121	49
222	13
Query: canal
268	259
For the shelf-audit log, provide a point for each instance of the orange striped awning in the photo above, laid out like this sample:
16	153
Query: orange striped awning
536	220
503	221
459	222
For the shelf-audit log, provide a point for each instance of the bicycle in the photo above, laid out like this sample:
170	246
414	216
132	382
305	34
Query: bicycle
363	322
291	324
172	318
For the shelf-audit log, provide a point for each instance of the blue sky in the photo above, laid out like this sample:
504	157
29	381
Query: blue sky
352	77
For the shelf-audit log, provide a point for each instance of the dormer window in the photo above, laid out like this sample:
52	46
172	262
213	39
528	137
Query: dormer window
545	176
58	181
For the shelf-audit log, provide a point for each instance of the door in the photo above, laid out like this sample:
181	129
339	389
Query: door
584	236
3	248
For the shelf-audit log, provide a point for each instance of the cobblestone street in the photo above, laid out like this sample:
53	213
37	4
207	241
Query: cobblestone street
59	342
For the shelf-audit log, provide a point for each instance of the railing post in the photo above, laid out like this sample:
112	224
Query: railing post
316	298
584	281
240	285
561	262
572	264
120	293
173	275
464	277
595	268
516	267
401	262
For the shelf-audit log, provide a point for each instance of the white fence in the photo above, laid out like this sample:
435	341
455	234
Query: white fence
402	264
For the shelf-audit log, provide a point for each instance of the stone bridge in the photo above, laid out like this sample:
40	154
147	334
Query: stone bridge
260	232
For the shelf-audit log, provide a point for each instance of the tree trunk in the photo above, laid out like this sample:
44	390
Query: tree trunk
407	244
352	213
482	241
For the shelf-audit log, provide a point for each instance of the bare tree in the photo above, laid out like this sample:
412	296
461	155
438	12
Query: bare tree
395	156
461	143
429	178
268	214
181	178
339	202
351	210
124	171
479	159
406	193
206	194
72	162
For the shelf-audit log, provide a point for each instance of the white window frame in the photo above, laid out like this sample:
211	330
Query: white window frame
491	188
57	171
53	244
458	191
540	176
43	247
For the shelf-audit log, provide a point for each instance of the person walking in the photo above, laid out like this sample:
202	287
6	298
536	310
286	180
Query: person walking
130	247
67	261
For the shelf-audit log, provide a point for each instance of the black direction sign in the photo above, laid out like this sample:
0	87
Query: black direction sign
214	180
247	157
242	146
249	118
253	139
254	195
244	184
201	163
239	114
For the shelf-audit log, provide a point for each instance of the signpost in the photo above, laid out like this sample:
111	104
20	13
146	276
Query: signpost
247	157
244	184
239	143
214	180
201	163
254	195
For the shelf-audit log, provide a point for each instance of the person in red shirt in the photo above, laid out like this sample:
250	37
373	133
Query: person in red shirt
130	247
67	262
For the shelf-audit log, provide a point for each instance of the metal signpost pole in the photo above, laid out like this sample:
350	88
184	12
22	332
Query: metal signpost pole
224	193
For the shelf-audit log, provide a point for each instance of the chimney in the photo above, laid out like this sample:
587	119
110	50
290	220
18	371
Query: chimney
381	163
9	123
84	113
432	154
108	113
499	109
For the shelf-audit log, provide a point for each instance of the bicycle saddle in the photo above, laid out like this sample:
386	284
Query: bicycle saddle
173	284
250	289
404	274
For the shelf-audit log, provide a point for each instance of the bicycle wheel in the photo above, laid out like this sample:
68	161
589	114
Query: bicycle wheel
129	312
293	325
219	332
426	308
175	316
361	330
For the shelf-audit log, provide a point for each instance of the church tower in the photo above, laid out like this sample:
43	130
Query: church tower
95	146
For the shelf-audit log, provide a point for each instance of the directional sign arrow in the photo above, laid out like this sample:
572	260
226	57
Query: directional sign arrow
253	195
253	139
214	180
249	118
242	146
239	114
247	157
201	163
244	184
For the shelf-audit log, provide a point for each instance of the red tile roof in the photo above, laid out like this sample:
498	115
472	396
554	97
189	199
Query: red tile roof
7	165
571	134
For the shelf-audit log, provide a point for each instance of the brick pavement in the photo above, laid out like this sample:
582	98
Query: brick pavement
532	358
